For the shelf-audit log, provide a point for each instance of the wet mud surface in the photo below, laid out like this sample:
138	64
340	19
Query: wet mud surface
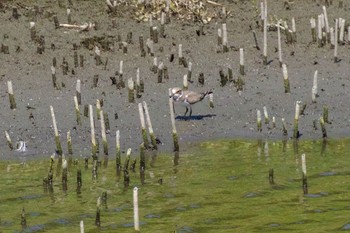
28	65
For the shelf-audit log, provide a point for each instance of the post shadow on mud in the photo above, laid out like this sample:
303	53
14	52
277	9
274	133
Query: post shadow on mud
194	117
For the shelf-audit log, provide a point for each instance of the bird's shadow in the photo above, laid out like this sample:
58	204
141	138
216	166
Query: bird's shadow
194	117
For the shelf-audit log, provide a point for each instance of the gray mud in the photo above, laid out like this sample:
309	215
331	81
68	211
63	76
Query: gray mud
234	114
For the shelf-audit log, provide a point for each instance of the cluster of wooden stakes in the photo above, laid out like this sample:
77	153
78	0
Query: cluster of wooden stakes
323	36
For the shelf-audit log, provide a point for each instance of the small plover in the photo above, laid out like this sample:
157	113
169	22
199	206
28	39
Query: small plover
187	98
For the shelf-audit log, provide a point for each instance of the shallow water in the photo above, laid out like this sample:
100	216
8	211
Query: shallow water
220	186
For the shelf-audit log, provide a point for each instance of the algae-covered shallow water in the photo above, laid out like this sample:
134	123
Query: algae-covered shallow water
219	186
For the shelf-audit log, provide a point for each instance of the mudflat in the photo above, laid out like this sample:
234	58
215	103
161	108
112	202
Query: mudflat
27	61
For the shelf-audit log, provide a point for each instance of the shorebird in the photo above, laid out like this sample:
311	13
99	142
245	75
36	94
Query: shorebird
187	98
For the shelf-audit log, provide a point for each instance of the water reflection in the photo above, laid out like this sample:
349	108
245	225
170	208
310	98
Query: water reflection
218	185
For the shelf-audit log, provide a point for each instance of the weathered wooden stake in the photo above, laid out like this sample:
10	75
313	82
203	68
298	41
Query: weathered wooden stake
296	120
98	213
271	178
160	72
136	210
93	137
182	60
313	29
77	111
98	56
131	93
336	41
332	39
314	88
69	143
258	120
82	227
266	115
54	79
241	61
69	16
143	126
33	35
185	82
138	84
57	137
326	22
64	174
319	31
285	78
189	72
219	37
98	109
78	91
142	47
279	44
23	219
172	118
265	38
9	141
211	100
323	128
284	125
224	38
304	176
162	22
325	114
294	33
11	95
342	31
126	168
118	153
150	128
103	134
